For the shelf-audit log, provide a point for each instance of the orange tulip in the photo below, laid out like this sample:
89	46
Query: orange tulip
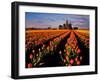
78	62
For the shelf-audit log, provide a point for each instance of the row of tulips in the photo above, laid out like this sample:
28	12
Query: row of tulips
37	56
72	53
84	38
37	38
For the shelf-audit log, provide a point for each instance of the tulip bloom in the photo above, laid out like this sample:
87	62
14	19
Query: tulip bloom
71	61
78	62
31	56
29	65
78	51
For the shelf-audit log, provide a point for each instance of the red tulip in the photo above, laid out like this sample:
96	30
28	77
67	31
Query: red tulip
30	65
71	61
31	56
78	50
76	59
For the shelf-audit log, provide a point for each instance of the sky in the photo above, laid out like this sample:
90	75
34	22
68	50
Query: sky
53	20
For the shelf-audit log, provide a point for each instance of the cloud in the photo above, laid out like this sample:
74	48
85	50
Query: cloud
54	20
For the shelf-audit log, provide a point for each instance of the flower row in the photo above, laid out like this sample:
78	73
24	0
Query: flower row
36	54
37	38
84	37
72	52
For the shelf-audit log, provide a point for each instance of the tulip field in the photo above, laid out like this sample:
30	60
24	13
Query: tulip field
51	48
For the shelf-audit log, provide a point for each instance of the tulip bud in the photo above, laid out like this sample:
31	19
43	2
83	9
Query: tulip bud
39	49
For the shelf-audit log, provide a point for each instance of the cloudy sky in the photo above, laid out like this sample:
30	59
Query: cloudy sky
44	20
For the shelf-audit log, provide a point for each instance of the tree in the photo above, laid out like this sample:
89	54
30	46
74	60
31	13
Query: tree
60	27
